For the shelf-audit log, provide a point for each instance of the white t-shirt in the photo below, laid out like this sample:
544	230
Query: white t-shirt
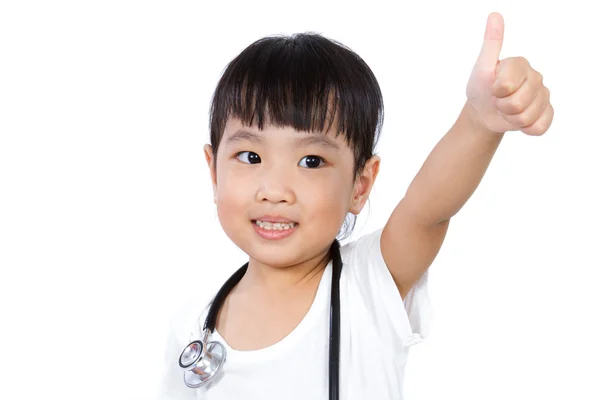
377	330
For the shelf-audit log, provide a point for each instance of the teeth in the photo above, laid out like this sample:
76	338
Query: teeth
275	225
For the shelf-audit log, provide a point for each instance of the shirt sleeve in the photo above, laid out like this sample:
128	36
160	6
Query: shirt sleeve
409	319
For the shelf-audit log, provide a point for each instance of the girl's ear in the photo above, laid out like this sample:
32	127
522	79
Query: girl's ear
210	160
363	185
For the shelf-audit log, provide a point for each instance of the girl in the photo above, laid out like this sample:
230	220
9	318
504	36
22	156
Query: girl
294	124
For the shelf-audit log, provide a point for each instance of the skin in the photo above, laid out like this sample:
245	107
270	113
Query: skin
283	275
502	95
282	278
283	184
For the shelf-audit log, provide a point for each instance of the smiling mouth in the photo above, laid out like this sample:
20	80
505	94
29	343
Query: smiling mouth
275	226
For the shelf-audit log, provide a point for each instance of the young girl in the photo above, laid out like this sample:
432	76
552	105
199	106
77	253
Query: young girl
294	125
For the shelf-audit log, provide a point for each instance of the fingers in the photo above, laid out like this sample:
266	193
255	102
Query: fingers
532	112
510	76
542	124
518	102
526	102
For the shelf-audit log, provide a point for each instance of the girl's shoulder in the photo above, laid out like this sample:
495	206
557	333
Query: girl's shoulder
364	249
370	289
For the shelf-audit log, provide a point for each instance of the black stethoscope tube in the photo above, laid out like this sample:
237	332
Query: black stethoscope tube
334	324
211	321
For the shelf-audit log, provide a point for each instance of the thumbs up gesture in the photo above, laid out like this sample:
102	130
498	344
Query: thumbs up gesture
507	95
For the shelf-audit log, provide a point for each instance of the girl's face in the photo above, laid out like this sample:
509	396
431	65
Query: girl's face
302	177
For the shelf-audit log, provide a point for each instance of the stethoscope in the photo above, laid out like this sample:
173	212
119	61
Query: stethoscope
202	360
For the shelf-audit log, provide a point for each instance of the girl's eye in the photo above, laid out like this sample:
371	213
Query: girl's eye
312	162
252	157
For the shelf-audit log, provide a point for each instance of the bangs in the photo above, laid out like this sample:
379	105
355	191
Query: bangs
304	81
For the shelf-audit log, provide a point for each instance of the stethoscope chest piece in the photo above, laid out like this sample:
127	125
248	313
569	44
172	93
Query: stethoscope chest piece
201	362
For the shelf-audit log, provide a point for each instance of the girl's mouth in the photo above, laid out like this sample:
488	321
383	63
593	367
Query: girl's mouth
274	230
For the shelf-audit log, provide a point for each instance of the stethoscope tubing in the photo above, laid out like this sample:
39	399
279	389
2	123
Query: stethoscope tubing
334	324
204	365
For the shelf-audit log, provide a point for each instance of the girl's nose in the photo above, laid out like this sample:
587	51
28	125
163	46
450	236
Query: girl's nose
275	187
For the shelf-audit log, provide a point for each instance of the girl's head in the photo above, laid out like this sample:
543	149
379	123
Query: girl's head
293	127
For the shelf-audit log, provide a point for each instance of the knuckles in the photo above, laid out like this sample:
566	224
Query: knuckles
515	106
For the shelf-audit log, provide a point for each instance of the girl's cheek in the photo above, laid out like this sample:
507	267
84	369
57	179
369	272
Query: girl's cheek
229	187
325	196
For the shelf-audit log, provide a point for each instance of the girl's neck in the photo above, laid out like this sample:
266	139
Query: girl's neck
275	280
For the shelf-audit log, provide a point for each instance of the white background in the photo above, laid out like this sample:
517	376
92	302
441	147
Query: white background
107	222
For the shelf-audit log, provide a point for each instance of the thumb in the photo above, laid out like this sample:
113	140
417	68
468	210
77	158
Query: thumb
492	42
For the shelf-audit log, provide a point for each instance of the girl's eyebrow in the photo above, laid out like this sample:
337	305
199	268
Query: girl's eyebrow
316	139
243	134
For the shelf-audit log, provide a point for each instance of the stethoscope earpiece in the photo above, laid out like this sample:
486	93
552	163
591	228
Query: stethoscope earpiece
201	362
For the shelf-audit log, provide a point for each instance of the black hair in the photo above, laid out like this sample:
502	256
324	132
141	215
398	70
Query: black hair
304	81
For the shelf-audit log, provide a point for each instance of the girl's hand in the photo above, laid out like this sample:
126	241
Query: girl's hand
507	95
